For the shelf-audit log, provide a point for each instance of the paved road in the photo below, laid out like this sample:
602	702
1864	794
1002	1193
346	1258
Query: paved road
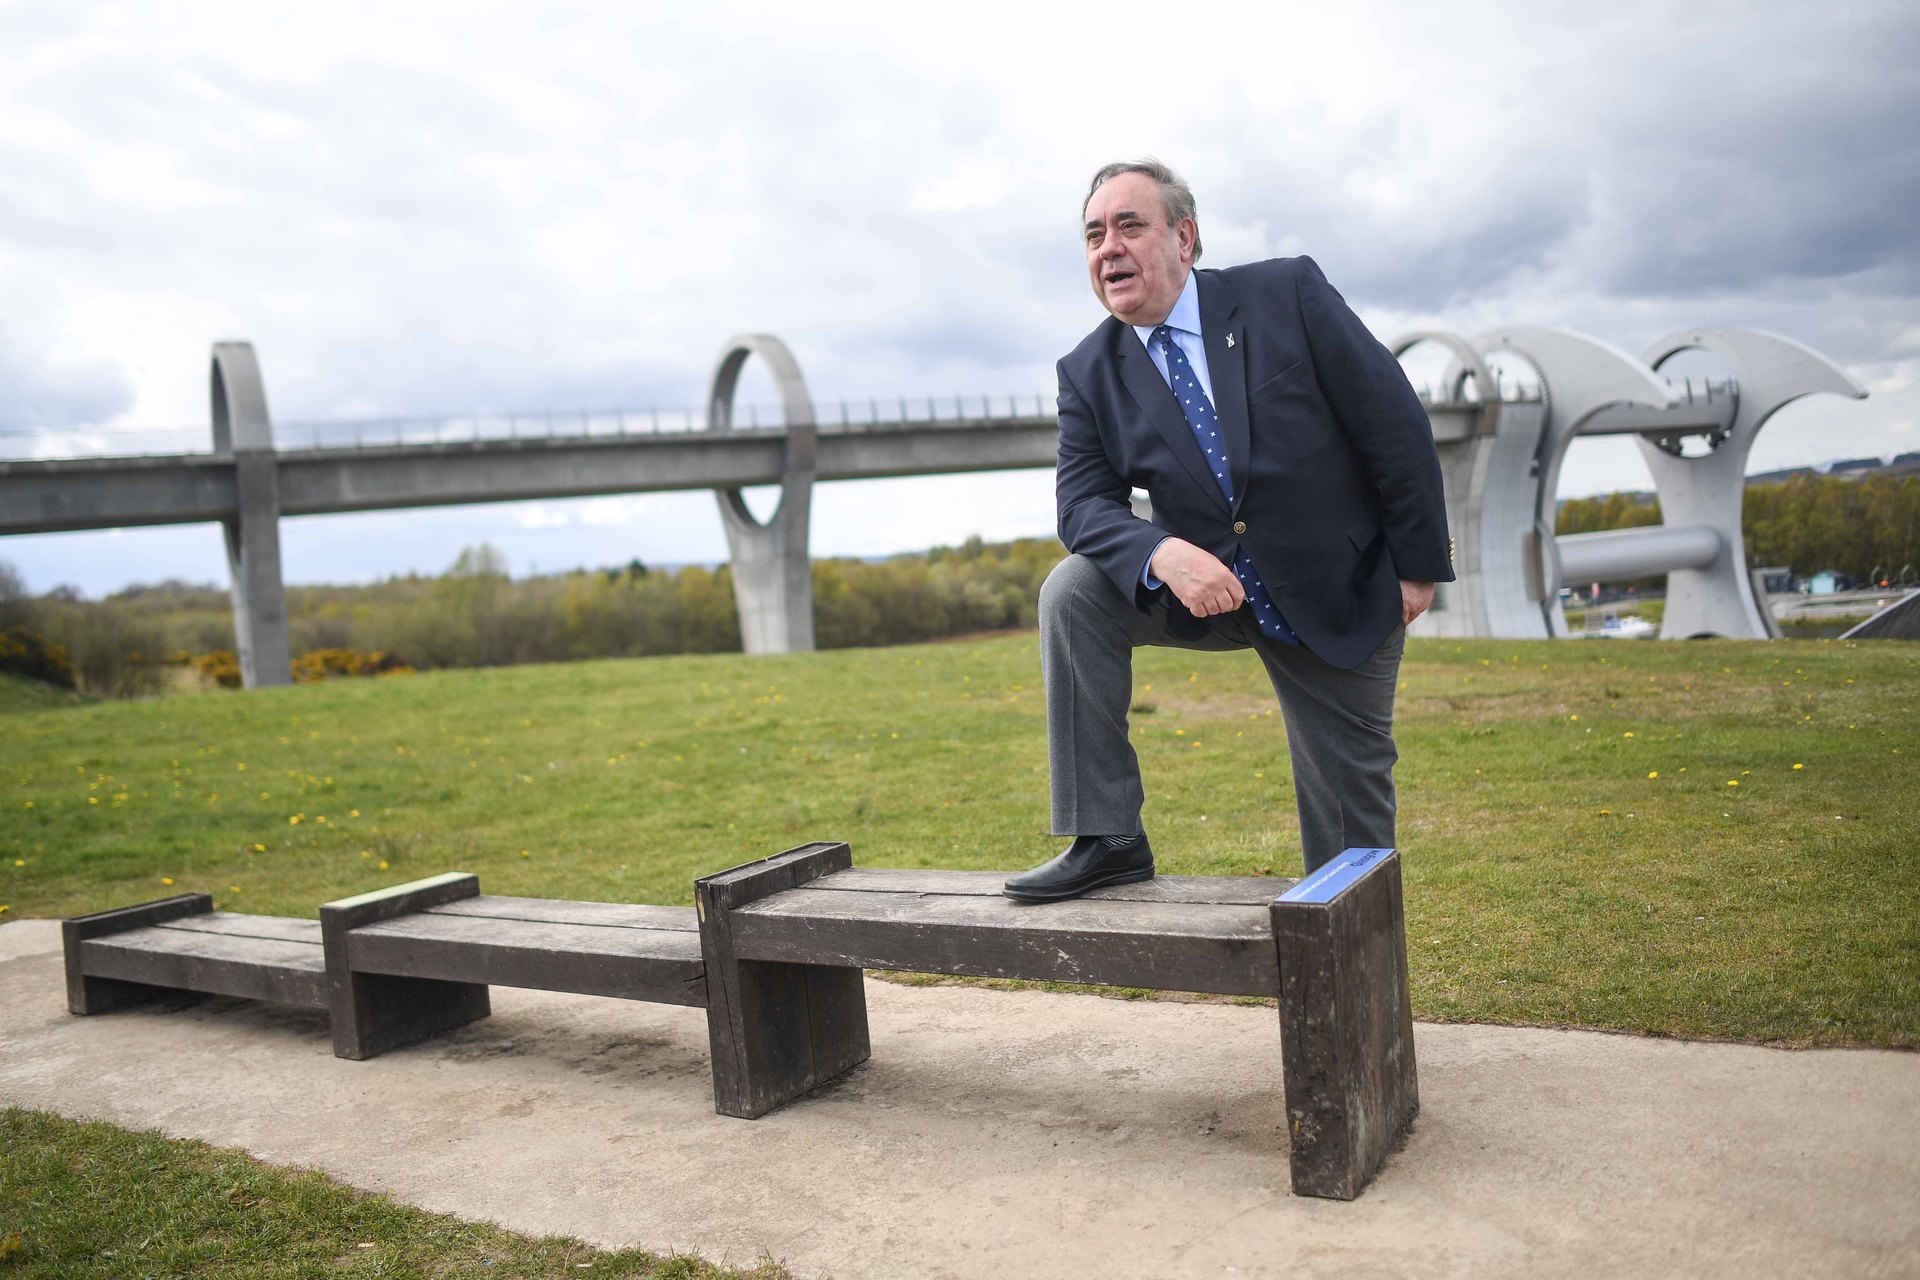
1030	1135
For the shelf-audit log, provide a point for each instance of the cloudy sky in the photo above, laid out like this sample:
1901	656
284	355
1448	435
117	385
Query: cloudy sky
436	207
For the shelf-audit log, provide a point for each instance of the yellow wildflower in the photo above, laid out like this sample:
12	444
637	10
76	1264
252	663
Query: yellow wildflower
166	880
1653	773
383	865
1733	782
1799	766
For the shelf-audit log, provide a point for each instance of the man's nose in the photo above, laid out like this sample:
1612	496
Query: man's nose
1112	247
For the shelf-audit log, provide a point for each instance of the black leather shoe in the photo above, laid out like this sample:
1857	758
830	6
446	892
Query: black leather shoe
1090	862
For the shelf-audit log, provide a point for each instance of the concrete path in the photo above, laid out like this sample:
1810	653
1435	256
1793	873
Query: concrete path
1029	1135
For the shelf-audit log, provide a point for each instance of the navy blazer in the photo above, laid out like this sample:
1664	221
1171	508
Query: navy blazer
1336	482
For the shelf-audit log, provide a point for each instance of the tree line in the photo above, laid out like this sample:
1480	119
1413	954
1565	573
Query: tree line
140	640
1809	523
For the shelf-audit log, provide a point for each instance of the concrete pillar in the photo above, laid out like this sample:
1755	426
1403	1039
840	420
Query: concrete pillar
1487	458
1581	377
772	573
1717	598
243	431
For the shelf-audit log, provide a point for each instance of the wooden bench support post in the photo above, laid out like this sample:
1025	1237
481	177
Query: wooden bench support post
375	1012
776	1030
1346	1026
86	994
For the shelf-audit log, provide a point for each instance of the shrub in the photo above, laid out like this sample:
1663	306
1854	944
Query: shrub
28	653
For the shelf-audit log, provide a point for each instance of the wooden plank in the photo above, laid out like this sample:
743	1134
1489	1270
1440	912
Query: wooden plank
375	1012
631	964
1226	890
1346	1021
96	994
284	928
216	963
1175	946
621	915
776	1030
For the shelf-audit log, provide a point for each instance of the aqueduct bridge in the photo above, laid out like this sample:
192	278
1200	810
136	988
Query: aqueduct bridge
1501	451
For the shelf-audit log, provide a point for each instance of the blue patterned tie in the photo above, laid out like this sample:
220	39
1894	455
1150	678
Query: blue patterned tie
1206	430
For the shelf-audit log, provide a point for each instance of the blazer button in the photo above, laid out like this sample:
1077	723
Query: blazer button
1239	526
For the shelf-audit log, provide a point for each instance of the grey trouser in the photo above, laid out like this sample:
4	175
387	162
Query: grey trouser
1339	723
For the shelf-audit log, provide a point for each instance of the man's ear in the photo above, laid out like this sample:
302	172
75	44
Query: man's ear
1188	232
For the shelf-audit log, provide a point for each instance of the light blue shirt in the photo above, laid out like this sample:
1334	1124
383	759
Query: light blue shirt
1184	320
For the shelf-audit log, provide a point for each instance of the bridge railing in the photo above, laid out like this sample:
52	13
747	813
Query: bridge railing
868	413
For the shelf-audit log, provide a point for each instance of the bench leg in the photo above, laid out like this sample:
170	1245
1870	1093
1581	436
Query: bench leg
87	994
1346	1023
776	1030
375	1012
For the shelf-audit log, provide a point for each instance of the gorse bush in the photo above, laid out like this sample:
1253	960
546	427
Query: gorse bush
28	653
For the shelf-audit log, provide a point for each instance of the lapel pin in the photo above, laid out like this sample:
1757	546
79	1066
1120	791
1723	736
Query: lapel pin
1229	342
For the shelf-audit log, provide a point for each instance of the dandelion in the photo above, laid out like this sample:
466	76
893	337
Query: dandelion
167	880
19	862
1179	733
1573	717
1799	766
233	888
1259	773
366	853
1653	773
259	848
93	799
525	854
4	908
294	820
383	865
353	813
1627	734
1733	782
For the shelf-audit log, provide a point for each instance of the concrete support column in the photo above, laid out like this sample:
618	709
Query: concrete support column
1717	598
243	431
772	572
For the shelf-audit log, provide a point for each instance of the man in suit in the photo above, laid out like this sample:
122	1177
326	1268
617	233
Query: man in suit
1297	511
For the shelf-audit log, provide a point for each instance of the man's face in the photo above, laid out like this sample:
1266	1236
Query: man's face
1137	262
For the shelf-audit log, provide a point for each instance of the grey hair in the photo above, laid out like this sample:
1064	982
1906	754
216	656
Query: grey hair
1176	197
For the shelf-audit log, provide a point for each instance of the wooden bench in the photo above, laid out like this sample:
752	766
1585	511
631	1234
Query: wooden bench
392	967
786	939
121	957
412	961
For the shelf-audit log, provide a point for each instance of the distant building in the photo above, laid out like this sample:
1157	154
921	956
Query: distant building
1775	579
1828	581
1854	468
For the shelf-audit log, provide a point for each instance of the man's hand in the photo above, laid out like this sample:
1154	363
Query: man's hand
1415	599
1198	580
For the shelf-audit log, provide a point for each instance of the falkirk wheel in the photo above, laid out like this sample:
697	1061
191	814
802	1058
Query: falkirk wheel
1501	460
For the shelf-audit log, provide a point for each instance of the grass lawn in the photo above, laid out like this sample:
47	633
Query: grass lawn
1691	838
80	1199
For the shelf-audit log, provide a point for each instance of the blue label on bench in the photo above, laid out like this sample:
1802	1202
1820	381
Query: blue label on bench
1336	877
